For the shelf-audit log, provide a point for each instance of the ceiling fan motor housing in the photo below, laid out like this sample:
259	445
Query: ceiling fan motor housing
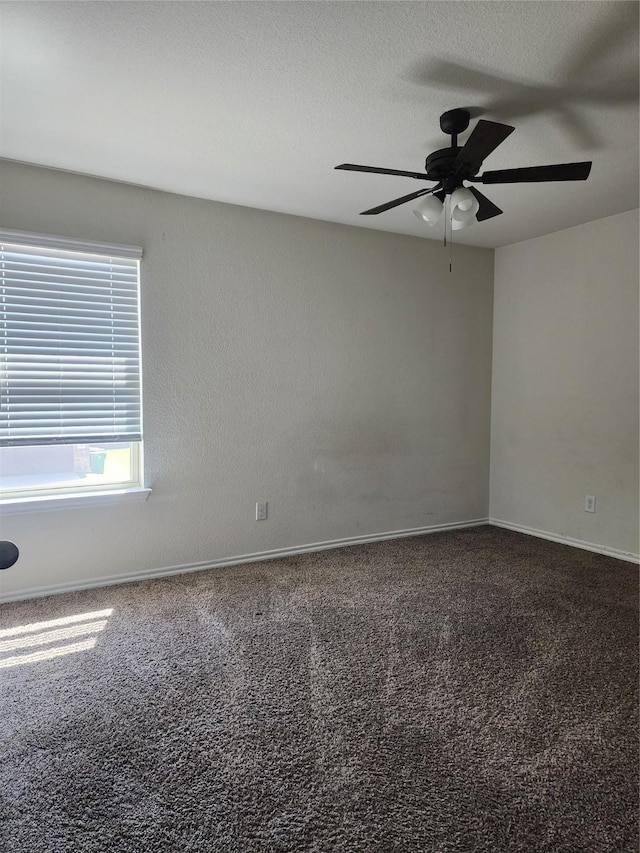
439	167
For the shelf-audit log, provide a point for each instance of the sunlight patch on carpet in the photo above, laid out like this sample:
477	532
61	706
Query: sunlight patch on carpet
52	637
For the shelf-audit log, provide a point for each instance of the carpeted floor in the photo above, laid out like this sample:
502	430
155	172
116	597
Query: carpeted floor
464	691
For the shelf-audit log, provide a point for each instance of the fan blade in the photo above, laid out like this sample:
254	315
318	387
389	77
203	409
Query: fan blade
352	167
396	201
485	138
487	208
559	172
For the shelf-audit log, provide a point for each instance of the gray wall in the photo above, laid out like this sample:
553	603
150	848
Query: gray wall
341	374
565	383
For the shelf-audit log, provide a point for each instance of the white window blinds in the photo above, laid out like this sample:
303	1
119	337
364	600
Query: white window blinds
69	341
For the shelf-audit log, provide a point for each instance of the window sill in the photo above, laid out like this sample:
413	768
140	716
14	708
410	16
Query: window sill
76	500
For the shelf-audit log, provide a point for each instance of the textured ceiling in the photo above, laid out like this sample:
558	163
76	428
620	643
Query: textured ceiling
254	103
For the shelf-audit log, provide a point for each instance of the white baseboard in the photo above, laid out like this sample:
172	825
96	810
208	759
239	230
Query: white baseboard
567	540
110	580
150	574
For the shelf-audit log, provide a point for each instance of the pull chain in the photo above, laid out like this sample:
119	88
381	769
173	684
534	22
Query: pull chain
448	224
446	218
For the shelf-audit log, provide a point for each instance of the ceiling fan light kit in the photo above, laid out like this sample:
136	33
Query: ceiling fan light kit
451	167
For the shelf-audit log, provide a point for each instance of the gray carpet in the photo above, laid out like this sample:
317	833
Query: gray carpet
465	691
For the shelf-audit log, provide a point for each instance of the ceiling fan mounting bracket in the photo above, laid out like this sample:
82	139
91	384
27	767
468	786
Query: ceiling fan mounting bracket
454	122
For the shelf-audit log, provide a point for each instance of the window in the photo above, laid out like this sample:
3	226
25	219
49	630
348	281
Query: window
70	390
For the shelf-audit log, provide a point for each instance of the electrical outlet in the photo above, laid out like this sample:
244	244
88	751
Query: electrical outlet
589	503
261	512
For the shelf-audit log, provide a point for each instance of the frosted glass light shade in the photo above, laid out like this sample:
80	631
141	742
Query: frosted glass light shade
429	210
457	224
464	201
464	206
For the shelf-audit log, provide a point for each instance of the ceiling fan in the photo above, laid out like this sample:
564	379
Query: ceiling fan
451	167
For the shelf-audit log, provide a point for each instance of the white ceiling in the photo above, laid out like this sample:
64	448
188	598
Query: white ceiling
254	103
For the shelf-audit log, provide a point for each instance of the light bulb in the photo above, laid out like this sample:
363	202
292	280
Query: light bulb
429	210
